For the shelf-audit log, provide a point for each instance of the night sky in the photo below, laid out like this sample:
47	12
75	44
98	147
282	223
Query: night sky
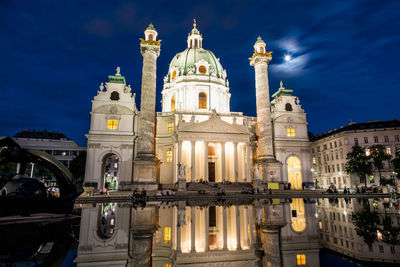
54	55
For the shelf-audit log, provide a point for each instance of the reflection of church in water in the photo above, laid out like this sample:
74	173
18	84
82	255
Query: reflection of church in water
196	128
279	233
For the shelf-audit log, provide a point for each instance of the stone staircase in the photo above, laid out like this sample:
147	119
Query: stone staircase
213	187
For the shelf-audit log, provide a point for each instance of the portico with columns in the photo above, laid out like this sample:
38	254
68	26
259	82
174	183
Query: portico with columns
213	150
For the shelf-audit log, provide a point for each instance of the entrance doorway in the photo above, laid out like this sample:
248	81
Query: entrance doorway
111	172
294	172
211	172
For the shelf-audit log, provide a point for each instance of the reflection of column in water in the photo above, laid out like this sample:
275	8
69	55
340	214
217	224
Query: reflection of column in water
186	231
244	227
232	238
200	229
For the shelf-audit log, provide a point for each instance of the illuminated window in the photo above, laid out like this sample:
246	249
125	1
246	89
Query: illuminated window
367	152
167	235
379	234
173	103
112	124
167	264
174	75
170	126
202	69
388	151
290	132
202	100
301	259
168	155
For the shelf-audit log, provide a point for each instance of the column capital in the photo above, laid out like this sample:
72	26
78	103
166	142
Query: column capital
152	48
258	58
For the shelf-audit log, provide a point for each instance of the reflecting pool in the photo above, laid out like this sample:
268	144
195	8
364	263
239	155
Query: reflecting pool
266	232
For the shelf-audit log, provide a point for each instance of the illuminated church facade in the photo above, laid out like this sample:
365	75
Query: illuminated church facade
196	136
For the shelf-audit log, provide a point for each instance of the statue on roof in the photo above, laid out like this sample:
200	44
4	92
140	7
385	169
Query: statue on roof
118	72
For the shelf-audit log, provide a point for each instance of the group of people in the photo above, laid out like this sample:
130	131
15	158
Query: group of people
165	192
139	195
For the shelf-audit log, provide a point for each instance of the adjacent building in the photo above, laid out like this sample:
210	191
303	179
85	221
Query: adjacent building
53	143
337	231
329	151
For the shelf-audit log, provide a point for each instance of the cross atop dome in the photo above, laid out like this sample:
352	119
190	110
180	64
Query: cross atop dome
195	40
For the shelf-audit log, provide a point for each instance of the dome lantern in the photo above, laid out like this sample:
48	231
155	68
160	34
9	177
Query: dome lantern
195	40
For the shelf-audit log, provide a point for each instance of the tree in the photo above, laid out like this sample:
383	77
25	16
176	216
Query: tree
358	163
390	233
396	163
77	167
366	224
378	156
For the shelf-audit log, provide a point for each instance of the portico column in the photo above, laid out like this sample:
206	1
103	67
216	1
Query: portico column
225	230
248	164
193	159
174	164
206	223
223	160
179	157
235	154
193	228
205	160
238	246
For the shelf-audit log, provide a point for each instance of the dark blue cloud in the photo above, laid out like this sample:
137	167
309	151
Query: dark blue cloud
56	53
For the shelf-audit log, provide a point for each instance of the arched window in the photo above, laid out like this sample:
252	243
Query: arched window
150	37
202	100
195	43
261	49
288	107
173	103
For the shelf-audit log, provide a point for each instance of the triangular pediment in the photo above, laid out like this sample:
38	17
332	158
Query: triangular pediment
214	125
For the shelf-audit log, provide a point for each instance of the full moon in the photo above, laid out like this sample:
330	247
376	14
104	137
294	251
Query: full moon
288	57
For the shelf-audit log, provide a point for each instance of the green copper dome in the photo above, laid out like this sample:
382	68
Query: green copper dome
186	60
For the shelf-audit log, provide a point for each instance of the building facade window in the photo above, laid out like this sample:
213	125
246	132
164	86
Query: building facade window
290	132
380	248
356	141
170	126
112	124
366	140
388	151
396	138
168	155
167	235
386	138
301	259
376	139
202	100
